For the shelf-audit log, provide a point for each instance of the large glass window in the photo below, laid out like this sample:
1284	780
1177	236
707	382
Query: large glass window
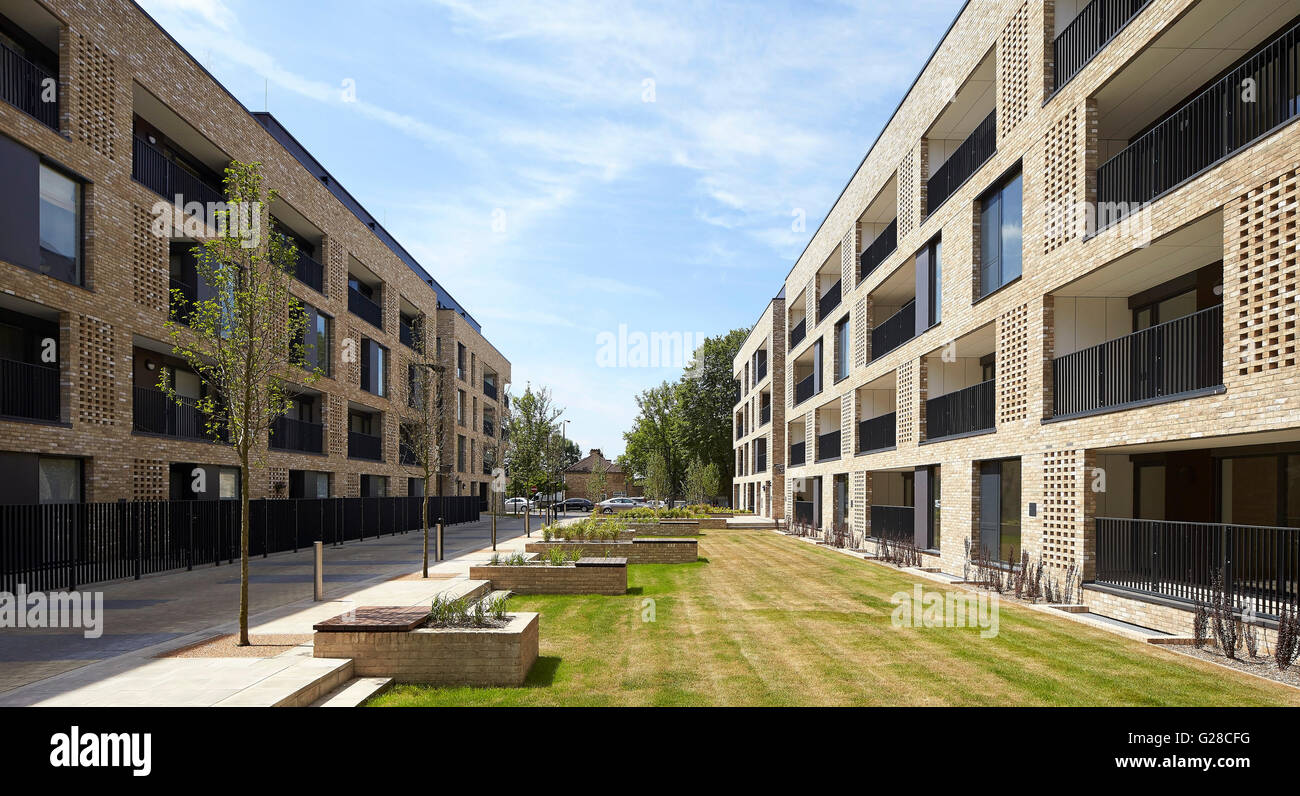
935	265
60	214
842	349
60	480
1000	235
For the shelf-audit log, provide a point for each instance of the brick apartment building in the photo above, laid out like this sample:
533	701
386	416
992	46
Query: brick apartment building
758	423
1053	311
84	283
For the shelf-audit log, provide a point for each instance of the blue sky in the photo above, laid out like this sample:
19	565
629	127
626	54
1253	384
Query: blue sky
568	166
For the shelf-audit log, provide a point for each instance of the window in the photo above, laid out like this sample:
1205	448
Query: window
460	407
374	367
59	479
460	453
930	268
842	349
460	361
60	234
1000	244
308	484
374	485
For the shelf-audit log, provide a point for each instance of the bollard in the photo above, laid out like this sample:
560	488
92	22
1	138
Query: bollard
318	548
438	557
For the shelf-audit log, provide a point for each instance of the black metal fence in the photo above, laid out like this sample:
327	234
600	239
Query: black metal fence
29	390
894	331
1172	358
1259	565
966	159
22	84
892	522
796	456
829	301
1206	129
878	433
152	169
365	309
880	248
1087	33
68	545
960	412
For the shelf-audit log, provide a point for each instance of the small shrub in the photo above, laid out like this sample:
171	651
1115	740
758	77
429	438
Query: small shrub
1288	637
1222	616
1200	624
547	533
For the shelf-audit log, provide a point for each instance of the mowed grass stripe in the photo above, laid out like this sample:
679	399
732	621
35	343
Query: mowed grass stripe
769	620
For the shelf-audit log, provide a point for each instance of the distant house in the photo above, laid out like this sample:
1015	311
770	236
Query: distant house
577	479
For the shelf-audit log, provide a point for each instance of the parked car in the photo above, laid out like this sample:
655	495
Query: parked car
616	504
655	504
518	505
576	504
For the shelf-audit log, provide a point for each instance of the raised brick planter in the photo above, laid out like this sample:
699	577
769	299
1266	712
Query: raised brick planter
590	575
493	656
665	550
663	528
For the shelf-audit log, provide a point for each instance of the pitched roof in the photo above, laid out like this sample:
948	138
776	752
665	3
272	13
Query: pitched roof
585	464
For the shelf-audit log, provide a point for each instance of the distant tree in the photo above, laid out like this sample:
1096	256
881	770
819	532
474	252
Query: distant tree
658	481
533	454
656	432
712	481
598	481
706	399
694	483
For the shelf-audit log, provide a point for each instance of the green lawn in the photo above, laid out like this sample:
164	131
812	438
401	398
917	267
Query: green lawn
767	620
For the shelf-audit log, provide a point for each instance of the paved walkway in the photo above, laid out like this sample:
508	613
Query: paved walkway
157	614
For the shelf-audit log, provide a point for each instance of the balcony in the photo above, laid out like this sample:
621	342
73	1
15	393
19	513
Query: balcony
21	85
1260	565
829	301
288	434
760	465
406	454
180	304
407	334
310	272
803	390
894	523
1179	357
760	371
489	428
966	411
365	446
154	412
966	159
803	512
883	246
490	389
29	390
796	454
1087	34
798	333
828	445
153	170
365	309
878	433
896	330
1204	130
765	414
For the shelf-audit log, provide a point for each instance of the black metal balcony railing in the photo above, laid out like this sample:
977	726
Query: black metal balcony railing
765	414
310	272
803	512
406	454
180	305
828	445
878	433
290	434
760	371
966	159
740	430
1170	359
365	446
1259	565
154	412
960	412
153	170
29	390
896	330
1088	33
22	85
489	389
406	334
365	309
880	248
803	390
894	523
829	301
799	332
488	428
1206	129
796	456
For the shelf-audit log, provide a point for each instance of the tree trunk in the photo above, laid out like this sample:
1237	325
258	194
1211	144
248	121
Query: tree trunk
424	518
243	549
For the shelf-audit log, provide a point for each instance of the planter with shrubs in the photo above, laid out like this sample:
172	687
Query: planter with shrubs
558	571
656	550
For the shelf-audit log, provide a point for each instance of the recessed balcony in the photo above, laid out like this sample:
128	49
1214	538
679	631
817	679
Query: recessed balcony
1078	40
964	136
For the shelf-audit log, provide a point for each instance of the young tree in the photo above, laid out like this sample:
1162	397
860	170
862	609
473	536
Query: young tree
598	481
693	483
658	482
495	454
423	433
533	451
656	432
246	341
712	481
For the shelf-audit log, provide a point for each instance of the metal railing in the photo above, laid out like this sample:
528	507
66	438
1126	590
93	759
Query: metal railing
829	301
896	330
68	545
796	456
966	159
1088	33
179	306
760	371
799	332
878	433
764	414
1259	565
1172	358
960	412
490	389
154	412
803	512
760	462
365	446
488	427
29	390
22	85
365	308
894	523
290	434
310	272
828	445
884	245
1204	130
803	390
406	334
153	170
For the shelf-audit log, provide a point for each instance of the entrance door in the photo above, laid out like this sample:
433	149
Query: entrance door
999	515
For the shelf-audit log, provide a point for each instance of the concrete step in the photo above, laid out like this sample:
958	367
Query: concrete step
354	692
294	686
